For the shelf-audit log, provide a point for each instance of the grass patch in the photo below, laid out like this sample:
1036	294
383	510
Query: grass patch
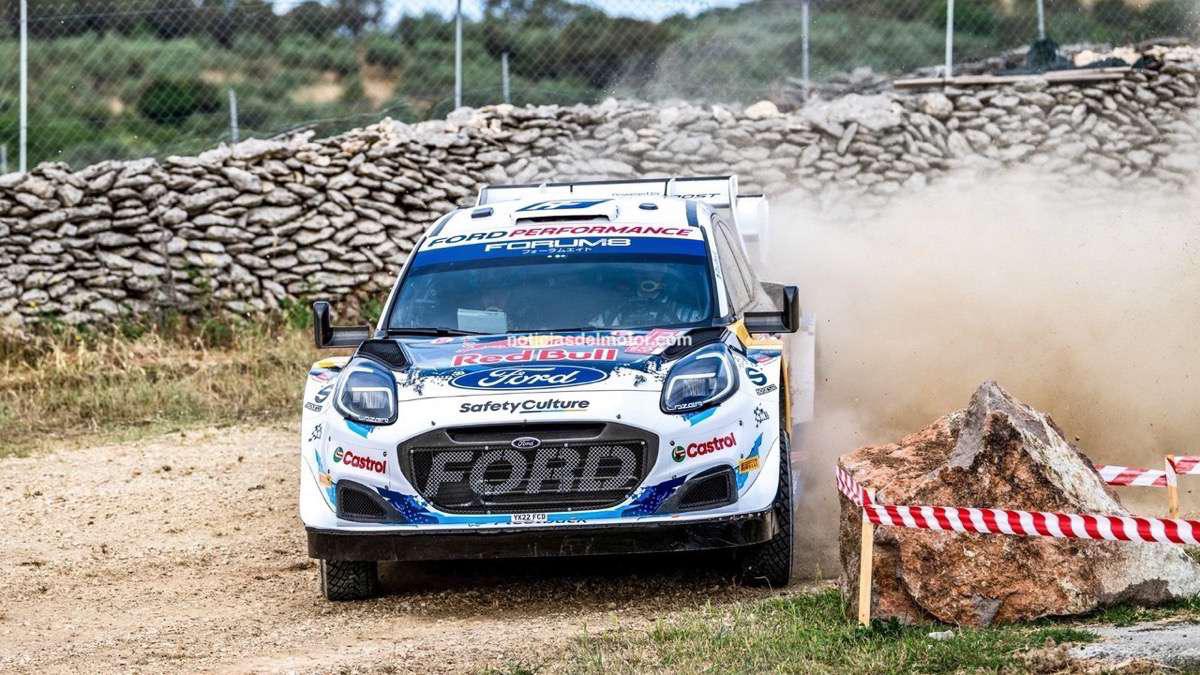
807	633
139	381
1127	615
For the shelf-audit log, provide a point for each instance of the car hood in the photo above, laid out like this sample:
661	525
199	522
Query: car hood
530	363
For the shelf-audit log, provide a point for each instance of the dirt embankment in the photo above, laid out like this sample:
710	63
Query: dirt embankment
186	554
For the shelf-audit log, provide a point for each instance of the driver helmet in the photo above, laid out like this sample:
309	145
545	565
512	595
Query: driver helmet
650	287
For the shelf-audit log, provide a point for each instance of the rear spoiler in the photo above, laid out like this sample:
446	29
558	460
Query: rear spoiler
750	214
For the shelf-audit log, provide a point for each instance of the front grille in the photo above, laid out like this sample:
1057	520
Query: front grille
504	434
576	466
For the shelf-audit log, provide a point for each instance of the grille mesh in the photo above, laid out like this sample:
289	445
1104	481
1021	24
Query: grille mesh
353	504
562	476
708	491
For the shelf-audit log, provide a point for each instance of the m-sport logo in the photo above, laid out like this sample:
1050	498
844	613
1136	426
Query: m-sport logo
529	377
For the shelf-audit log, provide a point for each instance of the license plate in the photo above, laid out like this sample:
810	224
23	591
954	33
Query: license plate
529	518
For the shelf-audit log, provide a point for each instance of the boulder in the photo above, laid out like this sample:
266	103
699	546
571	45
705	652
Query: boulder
998	453
876	113
762	110
935	104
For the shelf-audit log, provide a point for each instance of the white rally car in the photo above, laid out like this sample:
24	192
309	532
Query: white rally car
563	369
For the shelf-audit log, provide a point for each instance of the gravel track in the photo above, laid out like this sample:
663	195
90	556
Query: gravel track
185	552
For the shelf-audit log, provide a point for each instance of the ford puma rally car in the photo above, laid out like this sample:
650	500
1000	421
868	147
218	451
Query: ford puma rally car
563	369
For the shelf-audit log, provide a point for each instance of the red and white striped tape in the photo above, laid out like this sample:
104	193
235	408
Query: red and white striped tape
1187	466
849	487
1037	523
1022	523
1128	475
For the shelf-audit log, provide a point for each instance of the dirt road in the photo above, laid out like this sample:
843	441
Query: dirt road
185	553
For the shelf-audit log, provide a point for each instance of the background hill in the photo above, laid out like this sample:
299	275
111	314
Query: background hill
126	78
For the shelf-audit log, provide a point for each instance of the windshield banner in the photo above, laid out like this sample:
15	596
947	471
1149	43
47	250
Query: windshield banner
567	245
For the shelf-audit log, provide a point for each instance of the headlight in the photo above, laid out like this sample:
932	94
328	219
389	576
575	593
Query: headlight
368	393
703	378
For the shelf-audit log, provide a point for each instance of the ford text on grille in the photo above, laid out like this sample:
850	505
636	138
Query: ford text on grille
510	472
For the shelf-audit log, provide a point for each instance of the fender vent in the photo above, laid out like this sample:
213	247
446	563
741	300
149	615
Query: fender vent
697	338
387	351
355	502
708	491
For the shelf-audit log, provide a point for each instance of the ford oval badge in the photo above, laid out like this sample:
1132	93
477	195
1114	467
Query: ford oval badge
526	443
528	377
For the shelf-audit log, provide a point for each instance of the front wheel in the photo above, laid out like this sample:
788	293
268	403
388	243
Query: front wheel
770	563
349	579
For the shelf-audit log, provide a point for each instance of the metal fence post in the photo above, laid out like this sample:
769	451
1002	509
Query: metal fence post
23	124
949	72
233	116
3	158
1041	10
504	76
804	62
458	55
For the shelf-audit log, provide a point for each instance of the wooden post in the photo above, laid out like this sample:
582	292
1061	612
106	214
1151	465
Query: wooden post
1172	487
866	554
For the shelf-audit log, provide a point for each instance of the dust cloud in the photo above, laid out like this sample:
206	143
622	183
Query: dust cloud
1082	301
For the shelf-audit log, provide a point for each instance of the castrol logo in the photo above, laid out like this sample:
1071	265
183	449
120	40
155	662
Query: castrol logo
709	446
349	458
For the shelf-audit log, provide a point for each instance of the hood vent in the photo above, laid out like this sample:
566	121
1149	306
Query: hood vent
574	218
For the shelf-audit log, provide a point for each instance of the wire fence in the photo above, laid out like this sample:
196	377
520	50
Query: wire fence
132	78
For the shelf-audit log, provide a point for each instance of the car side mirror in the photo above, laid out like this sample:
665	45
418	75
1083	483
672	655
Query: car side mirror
328	336
784	320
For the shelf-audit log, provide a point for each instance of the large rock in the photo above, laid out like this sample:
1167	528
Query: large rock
876	113
998	453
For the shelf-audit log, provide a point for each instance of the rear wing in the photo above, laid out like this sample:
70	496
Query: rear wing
750	214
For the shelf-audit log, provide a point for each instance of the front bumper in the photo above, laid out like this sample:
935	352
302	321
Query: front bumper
537	542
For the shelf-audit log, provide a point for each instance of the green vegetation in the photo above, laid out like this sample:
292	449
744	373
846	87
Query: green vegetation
72	386
804	634
809	632
1125	615
124	78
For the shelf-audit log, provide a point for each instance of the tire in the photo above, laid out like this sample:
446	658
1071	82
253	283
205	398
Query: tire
770	563
349	579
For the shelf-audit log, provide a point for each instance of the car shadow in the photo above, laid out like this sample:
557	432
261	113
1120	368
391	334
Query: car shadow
465	587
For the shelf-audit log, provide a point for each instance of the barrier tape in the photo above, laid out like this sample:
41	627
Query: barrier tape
849	487
1187	466
1127	475
1037	523
1022	523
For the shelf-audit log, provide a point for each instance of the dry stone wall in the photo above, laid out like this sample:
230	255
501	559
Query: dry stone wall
243	229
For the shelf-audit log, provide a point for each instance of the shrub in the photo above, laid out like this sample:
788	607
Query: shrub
300	51
385	52
173	101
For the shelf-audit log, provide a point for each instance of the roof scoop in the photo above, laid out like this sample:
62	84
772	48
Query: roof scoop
574	210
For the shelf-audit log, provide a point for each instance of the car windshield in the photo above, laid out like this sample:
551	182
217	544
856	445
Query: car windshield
517	286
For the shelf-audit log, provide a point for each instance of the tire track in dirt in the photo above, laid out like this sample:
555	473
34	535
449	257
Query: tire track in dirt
185	552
